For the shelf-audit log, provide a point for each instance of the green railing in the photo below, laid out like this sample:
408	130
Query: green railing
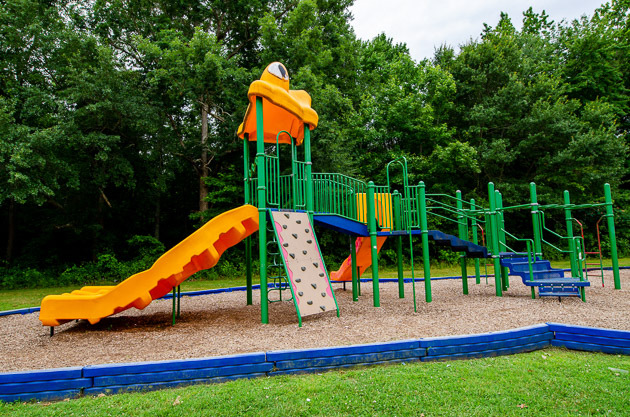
338	194
544	228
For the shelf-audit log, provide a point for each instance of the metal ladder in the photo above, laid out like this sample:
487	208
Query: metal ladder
594	266
276	271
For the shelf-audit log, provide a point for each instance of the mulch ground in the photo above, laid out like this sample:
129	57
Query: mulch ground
222	324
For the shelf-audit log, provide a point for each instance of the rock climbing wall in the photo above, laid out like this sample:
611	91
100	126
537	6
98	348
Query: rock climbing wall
304	264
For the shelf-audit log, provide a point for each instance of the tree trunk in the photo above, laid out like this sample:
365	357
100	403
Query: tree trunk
100	219
203	188
11	231
156	232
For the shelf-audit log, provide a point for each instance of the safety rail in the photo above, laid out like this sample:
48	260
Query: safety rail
587	264
575	242
338	194
530	252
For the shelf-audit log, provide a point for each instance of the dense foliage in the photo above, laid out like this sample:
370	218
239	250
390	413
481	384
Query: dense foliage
118	118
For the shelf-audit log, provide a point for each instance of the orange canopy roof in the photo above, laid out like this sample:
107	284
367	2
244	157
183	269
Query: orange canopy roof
283	109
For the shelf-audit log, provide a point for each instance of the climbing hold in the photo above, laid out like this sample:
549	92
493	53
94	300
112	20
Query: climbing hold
323	294
309	241
298	221
307	230
286	215
300	293
314	286
294	235
303	268
315	264
321	274
285	245
323	308
298	280
284	226
304	252
292	255
309	303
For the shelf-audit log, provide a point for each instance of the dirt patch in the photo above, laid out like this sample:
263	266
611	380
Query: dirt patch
221	324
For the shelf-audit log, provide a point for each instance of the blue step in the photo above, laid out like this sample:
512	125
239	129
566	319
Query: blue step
536	266
557	282
458	245
551	282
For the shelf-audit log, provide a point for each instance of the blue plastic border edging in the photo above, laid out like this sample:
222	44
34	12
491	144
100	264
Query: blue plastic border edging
62	383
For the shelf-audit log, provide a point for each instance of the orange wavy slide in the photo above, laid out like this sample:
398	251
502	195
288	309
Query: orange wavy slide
364	259
201	250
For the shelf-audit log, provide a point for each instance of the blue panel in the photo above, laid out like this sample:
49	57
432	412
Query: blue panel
280	355
41	375
341	224
118	389
591	347
479	347
592	331
152	377
484	337
489	353
607	341
184	364
59	385
42	396
349	359
321	369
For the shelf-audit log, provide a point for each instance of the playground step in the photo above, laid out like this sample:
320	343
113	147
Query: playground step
507	261
551	282
559	282
573	292
458	245
536	266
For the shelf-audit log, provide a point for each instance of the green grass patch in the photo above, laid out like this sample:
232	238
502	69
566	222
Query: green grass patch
553	382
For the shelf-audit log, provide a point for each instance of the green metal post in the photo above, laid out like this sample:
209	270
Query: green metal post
611	233
371	218
396	201
262	211
425	242
461	227
569	222
248	240
492	231
310	202
475	239
573	248
501	220
355	273
174	308
179	300
535	221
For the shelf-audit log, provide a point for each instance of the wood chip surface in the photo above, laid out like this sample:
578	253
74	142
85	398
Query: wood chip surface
222	324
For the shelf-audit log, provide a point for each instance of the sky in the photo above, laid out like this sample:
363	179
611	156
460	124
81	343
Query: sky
424	25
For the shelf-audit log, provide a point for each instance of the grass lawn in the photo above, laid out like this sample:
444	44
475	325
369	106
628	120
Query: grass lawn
553	382
14	299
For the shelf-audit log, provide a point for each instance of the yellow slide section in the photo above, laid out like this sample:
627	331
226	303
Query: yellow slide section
201	250
383	209
364	259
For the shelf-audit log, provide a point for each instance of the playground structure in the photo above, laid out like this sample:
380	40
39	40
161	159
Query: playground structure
283	204
371	213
